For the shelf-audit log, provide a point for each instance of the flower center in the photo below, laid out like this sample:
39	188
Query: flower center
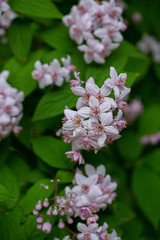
54	75
85	188
95	111
86	97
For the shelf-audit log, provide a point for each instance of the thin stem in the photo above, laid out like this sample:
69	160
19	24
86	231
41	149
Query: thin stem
73	233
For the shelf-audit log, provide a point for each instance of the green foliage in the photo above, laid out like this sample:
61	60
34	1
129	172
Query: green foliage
53	103
20	37
36	155
37	8
4	194
51	151
34	194
130	146
146	186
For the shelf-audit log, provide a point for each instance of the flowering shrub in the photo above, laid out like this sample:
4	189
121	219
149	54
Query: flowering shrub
94	124
88	196
11	107
6	17
99	25
66	70
53	74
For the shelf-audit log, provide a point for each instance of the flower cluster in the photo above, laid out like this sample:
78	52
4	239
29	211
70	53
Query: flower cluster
10	107
96	27
98	118
53	73
84	200
133	110
150	45
152	139
6	17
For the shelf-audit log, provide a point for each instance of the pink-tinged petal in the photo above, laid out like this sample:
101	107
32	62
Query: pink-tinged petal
77	190
87	58
4	119
112	102
110	130
92	88
106	118
84	112
48	79
68	126
69	114
125	92
93	102
93	227
116	91
101	170
79	91
80	103
105	90
98	58
90	80
105	106
92	180
80	236
90	170
94	236
94	193
109	83
118	37
82	227
113	74
100	32
63	72
119	115
83	48
59	81
80	179
101	139
55	65
38	65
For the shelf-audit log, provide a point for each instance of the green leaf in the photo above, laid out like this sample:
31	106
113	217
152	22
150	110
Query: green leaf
10	224
146	186
152	159
8	180
34	194
122	214
51	151
37	8
20	76
133	229
149	122
20	38
53	103
58	38
4	194
18	164
129	146
64	176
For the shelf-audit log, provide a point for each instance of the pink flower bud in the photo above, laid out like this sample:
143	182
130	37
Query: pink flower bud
46	203
61	224
58	200
39	219
70	221
39	226
38	206
55	212
71	204
35	212
47	227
